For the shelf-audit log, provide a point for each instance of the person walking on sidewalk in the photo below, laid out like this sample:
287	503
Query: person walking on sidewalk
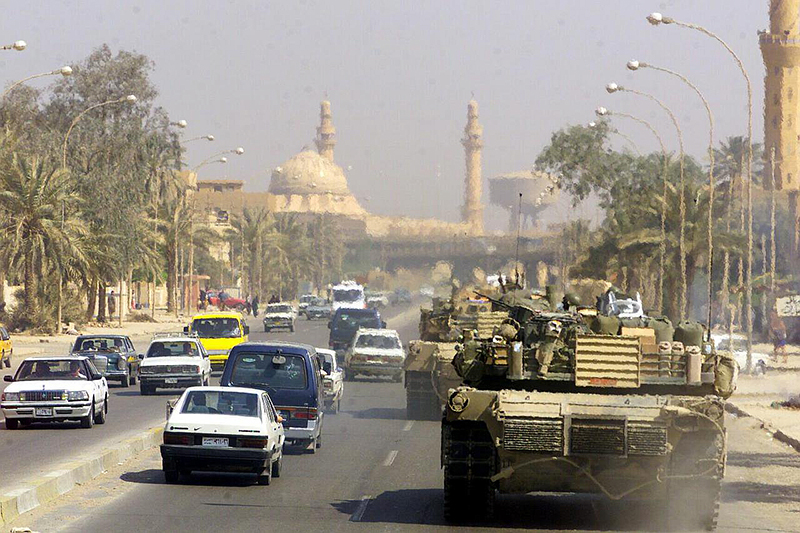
777	331
112	304
254	304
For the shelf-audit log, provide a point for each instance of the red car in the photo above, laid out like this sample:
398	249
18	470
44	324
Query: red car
229	301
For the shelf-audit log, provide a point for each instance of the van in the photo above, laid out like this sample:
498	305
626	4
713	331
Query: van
292	376
346	322
219	332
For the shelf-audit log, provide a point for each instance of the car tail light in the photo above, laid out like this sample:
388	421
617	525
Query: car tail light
178	438
253	442
305	414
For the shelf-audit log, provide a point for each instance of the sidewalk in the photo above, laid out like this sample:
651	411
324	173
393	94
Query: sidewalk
759	397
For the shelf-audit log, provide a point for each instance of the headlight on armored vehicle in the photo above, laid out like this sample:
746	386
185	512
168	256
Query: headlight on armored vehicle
10	397
77	395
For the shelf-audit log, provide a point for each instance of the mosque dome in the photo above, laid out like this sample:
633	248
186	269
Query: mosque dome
308	173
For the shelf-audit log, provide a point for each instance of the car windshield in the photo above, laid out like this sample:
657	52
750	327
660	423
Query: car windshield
51	370
222	403
99	344
173	349
216	328
307	298
356	319
279	309
347	295
377	341
268	371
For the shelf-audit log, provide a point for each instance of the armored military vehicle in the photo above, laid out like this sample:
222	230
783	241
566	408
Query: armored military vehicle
429	373
548	405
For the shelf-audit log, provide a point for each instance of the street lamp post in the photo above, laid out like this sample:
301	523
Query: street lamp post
181	124
63	71
636	65
656	19
613	88
19	46
603	112
206	137
130	98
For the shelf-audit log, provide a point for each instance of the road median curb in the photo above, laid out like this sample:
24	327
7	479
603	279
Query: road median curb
776	433
44	489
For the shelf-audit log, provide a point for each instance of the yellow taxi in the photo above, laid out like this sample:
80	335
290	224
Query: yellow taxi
6	349
219	332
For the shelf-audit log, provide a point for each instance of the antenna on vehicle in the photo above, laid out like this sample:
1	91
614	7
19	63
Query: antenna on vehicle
516	255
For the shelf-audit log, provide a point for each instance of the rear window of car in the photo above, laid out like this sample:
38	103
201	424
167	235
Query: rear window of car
172	349
223	403
279	309
357	318
269	370
377	341
100	344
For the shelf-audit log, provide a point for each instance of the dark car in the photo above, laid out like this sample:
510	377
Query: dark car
113	355
346	322
291	374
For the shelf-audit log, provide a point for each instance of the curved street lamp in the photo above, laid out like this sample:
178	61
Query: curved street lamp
636	65
206	137
656	19
612	88
181	124
235	151
19	46
603	112
64	71
130	99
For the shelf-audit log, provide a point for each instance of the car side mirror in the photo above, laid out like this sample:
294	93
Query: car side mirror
186	329
247	330
95	377
383	324
205	355
141	356
8	378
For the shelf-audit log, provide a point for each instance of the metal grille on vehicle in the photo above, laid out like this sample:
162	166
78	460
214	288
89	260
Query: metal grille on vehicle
42	395
100	362
533	434
606	361
647	439
594	436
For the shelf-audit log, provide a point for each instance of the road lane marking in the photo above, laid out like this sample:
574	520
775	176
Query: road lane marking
390	458
408	425
362	507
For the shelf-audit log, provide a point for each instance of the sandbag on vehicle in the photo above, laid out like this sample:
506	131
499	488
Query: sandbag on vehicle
605	325
638	322
663	328
725	375
689	332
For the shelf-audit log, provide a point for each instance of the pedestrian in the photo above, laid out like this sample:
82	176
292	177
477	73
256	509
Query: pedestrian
778	333
274	299
112	304
254	304
202	299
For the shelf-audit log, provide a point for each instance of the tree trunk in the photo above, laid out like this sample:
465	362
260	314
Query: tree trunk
30	287
91	298
171	277
259	270
101	300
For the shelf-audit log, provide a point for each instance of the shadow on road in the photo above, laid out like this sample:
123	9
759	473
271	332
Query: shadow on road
386	413
163	392
757	460
200	479
553	512
748	491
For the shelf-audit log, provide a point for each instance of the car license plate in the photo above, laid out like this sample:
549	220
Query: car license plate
170	381
214	441
44	411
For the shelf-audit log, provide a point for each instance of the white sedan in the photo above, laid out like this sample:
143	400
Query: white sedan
223	429
375	352
48	389
174	361
332	379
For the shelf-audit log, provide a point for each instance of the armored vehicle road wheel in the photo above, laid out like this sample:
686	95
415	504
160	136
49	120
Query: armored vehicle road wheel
469	462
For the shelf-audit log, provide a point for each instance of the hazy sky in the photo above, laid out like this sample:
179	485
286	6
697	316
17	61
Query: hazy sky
399	75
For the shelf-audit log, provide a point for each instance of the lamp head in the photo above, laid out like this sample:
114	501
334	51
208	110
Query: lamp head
655	18
592	124
601	112
66	70
210	137
633	65
130	98
239	151
612	88
181	123
223	159
19	46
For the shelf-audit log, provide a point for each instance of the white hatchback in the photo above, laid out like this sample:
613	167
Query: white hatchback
375	352
233	429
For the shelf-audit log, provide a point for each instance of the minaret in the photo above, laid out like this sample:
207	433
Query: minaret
780	48
472	210
326	133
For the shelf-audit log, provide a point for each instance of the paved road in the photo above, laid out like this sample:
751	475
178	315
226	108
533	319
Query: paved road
377	471
31	452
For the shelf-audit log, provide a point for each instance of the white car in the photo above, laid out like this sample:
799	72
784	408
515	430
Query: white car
48	389
375	352
223	429
377	301
174	361
280	315
304	301
737	345
332	379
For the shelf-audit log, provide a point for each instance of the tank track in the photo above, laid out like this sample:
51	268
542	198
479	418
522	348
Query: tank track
694	502
421	400
469	460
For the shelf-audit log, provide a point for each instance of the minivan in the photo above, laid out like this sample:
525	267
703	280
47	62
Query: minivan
291	374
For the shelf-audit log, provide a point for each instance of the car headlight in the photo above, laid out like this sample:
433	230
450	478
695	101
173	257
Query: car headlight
121	363
145	370
11	396
77	395
190	369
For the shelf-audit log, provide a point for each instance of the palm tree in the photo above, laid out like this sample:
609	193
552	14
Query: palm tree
41	230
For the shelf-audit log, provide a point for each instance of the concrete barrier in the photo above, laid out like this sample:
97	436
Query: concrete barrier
41	490
776	433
